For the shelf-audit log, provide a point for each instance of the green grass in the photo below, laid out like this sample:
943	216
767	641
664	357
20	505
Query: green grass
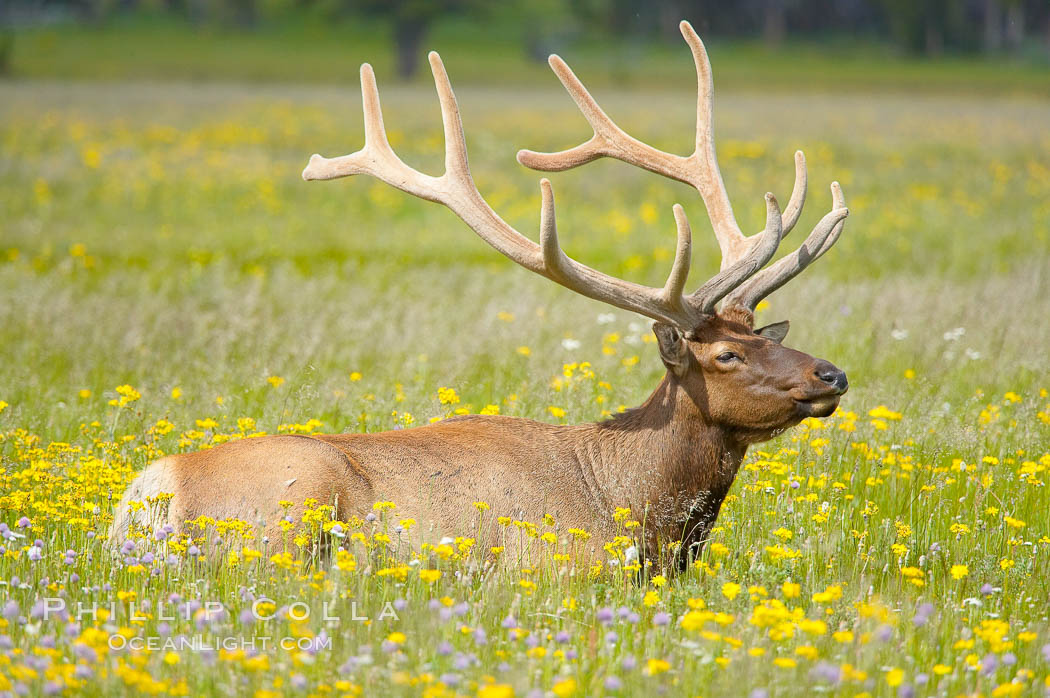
160	236
493	52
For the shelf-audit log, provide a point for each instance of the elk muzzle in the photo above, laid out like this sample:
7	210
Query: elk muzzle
821	396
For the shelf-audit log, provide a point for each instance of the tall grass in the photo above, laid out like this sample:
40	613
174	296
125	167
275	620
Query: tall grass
159	238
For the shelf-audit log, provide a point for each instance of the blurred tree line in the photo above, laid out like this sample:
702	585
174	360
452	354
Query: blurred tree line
920	27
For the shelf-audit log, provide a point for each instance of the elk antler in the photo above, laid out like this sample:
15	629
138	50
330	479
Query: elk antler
455	189
699	170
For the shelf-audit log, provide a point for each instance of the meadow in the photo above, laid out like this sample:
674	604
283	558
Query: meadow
169	283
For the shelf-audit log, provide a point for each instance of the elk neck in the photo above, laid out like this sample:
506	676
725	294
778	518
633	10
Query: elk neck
664	459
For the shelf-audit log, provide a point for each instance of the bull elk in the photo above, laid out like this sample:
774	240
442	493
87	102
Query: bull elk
672	460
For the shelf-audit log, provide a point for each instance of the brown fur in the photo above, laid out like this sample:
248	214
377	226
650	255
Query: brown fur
672	460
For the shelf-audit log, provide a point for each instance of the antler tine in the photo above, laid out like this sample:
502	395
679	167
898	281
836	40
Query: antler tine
710	183
798	194
375	131
825	234
683	254
708	177
838	201
456	166
555	261
705	298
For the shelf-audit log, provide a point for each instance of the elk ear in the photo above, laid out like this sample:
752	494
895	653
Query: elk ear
673	350
775	332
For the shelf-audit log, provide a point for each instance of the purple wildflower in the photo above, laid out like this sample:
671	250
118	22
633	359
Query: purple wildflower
85	652
826	672
922	614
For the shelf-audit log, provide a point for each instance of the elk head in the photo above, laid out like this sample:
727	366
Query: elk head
738	377
744	379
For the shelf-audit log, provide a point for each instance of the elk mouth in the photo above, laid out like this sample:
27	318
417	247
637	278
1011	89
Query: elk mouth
822	406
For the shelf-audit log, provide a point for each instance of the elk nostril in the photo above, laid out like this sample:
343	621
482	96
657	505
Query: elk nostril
829	373
835	378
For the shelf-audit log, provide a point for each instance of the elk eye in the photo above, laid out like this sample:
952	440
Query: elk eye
727	356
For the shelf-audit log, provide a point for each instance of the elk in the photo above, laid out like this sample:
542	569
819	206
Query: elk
672	460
